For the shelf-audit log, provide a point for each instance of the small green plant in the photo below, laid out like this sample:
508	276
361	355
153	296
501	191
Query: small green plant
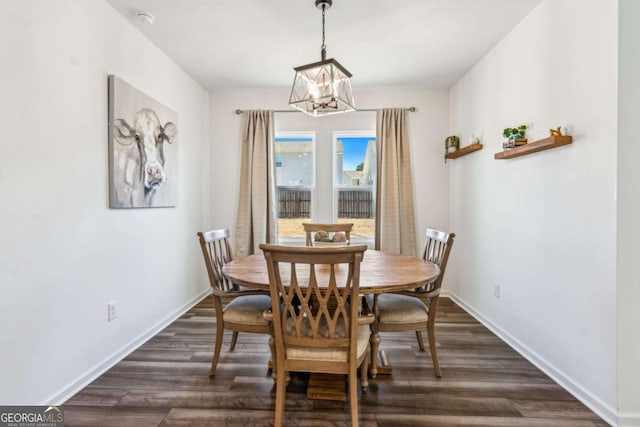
515	133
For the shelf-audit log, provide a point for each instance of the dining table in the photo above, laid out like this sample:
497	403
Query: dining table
380	272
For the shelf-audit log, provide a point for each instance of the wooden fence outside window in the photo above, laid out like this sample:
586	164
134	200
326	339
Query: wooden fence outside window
296	203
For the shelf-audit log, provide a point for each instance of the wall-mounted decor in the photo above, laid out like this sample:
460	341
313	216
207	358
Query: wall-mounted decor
535	146
143	149
555	132
465	150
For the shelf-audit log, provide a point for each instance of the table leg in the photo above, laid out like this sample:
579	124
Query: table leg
375	343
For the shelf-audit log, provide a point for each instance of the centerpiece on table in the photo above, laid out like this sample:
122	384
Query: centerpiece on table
322	238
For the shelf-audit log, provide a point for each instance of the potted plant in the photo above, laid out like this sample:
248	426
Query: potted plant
451	144
514	135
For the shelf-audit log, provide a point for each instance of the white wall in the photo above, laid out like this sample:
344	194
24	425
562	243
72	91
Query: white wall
63	254
428	129
544	226
628	214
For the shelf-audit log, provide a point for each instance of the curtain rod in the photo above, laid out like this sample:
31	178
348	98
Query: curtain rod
412	109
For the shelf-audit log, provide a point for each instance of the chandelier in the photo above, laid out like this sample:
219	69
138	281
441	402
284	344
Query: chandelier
322	87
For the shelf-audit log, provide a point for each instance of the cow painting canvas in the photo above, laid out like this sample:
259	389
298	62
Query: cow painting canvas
143	149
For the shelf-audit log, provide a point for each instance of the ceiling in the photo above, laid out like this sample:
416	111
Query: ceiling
256	43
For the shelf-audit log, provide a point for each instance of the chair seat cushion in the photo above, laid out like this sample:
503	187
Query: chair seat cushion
399	309
247	310
335	354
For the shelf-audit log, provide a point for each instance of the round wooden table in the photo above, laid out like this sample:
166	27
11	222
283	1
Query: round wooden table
380	272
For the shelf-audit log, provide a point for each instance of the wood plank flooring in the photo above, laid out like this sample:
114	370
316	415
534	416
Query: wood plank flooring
166	383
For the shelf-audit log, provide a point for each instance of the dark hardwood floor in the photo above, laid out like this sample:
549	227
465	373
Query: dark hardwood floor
166	383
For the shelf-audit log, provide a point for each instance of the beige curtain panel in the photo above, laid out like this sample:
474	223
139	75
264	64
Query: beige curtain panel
256	219
395	224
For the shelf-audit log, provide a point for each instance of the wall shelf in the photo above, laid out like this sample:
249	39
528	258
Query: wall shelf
464	151
533	147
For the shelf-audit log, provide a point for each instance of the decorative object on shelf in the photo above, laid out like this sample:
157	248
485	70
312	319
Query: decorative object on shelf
474	140
555	132
323	87
451	145
543	144
515	136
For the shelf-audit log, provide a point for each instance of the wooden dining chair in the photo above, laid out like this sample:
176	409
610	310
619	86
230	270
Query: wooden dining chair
311	229
236	310
415	310
319	326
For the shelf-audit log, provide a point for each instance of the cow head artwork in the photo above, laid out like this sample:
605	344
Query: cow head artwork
146	172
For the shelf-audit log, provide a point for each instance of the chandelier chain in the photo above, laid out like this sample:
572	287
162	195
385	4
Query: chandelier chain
324	46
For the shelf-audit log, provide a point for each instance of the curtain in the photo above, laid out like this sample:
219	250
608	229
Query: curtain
395	224
256	219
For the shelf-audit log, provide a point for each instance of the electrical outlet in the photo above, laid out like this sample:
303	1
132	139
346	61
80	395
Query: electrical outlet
496	290
112	310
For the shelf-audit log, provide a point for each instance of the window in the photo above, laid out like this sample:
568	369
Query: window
354	181
294	161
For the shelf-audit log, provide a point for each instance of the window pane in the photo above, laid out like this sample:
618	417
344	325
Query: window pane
355	161
294	170
294	209
355	177
294	161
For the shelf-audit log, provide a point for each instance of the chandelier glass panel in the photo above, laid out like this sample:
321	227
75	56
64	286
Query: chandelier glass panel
322	87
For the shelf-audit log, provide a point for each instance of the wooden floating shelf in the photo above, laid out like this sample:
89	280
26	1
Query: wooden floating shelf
533	147
464	151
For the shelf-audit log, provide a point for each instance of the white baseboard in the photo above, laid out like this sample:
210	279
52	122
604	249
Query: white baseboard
75	386
629	419
603	410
